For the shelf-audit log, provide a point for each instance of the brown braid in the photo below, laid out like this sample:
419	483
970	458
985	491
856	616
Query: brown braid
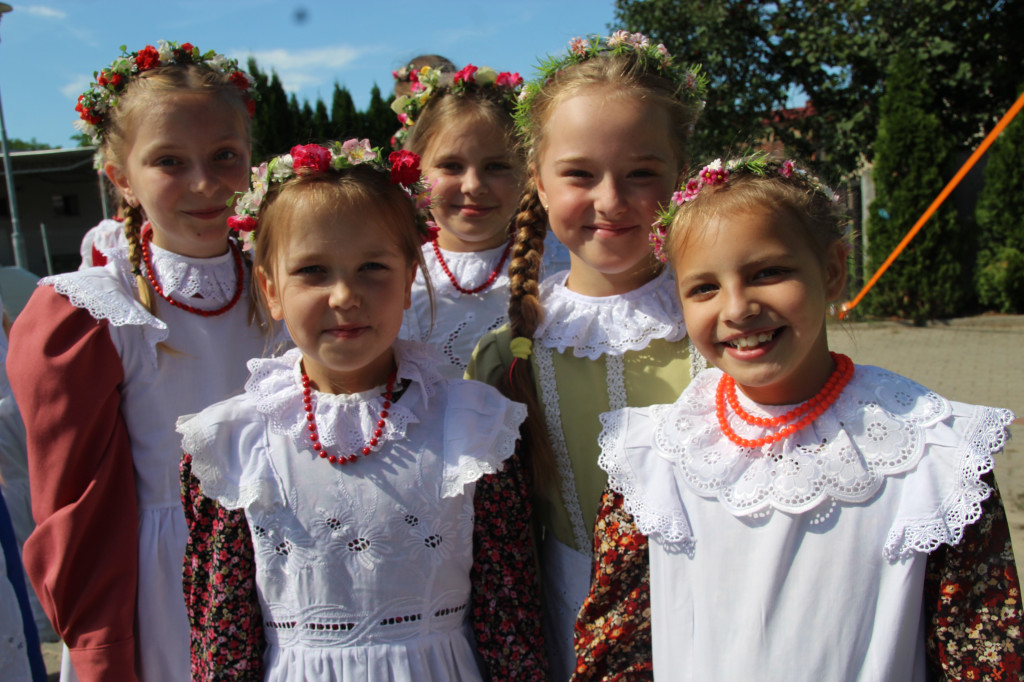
525	315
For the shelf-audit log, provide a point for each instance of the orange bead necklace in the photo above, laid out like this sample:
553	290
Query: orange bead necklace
790	422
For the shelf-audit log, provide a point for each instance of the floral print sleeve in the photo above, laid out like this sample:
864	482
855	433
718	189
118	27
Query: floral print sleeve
506	611
219	578
613	630
973	604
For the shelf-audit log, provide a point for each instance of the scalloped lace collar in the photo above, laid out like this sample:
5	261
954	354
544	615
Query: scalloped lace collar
470	269
200	282
342	419
875	429
595	325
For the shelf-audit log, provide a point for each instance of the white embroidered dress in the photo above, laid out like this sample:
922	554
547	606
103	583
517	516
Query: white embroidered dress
205	365
608	339
803	560
362	570
459	319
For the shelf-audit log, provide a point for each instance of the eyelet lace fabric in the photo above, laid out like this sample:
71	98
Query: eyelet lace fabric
881	426
597	325
470	270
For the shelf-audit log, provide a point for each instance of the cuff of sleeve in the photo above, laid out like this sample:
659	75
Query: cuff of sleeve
110	662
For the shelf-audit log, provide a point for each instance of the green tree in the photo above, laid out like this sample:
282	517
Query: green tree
273	123
1000	219
16	145
321	122
379	122
927	280
344	117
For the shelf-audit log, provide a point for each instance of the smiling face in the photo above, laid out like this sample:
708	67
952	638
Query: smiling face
187	156
340	282
754	295
607	163
477	181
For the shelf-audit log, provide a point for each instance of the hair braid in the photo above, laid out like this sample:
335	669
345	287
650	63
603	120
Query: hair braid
133	221
525	315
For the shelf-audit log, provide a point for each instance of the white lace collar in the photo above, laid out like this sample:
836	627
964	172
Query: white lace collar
875	429
343	420
204	283
595	325
469	268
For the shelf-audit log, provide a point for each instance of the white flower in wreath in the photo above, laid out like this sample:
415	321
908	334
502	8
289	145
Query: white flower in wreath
358	540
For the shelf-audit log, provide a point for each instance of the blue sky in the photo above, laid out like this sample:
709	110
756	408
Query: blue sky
49	49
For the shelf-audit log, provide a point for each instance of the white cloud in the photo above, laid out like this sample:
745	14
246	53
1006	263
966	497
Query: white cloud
76	87
300	69
45	12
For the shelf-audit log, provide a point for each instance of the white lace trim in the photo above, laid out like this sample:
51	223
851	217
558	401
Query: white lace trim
470	269
615	368
204	283
879	427
596	325
343	420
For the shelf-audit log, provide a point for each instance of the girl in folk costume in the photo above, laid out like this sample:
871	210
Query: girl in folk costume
462	127
809	519
354	460
606	129
104	360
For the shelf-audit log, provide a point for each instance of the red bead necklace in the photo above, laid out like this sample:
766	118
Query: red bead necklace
378	432
790	422
147	258
476	290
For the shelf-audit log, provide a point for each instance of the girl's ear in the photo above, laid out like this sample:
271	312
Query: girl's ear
270	293
120	180
408	285
535	174
835	270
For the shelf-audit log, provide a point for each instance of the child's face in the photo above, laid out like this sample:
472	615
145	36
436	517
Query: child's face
340	283
187	157
606	165
753	279
476	185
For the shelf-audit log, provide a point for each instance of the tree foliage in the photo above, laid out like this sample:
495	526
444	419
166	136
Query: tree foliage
1000	220
969	52
281	121
912	148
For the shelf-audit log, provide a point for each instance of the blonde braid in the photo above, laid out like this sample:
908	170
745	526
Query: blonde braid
133	221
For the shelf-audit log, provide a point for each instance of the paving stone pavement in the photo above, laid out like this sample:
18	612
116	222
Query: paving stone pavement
973	360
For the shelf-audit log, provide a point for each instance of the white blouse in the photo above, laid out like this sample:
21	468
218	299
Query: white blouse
804	559
362	569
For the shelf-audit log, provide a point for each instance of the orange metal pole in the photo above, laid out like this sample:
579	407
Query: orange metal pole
950	186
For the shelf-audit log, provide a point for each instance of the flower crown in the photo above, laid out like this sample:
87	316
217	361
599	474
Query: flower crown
95	103
692	82
401	167
717	173
429	81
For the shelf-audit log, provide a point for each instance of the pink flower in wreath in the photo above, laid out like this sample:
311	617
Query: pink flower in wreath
579	46
405	167
691	192
508	80
714	173
786	170
311	156
147	58
465	74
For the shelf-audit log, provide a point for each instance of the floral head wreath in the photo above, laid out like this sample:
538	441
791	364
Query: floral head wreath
94	104
717	173
692	83
401	167
428	81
